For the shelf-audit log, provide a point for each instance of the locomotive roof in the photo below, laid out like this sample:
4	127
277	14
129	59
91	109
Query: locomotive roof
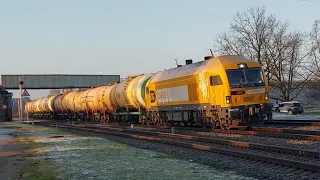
198	67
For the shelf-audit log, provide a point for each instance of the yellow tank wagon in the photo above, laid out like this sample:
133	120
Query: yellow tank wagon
106	99
50	103
225	91
130	97
98	103
30	107
105	102
38	108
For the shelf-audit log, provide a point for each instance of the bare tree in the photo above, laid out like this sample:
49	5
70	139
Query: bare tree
315	48
289	73
314	39
259	36
248	34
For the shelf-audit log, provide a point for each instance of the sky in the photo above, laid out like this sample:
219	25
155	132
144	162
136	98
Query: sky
122	37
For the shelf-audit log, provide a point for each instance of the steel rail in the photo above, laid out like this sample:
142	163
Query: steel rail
285	130
271	134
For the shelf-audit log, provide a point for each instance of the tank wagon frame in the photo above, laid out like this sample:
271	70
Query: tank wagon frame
225	92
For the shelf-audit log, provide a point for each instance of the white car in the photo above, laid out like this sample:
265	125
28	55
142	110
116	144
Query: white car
290	107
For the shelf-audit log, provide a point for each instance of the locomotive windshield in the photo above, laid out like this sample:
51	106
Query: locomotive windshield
245	77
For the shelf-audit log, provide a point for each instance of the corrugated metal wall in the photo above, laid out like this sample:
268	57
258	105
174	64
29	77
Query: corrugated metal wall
57	81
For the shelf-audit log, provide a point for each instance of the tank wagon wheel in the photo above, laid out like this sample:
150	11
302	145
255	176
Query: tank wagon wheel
154	119
124	119
147	121
161	119
104	119
163	123
157	119
171	123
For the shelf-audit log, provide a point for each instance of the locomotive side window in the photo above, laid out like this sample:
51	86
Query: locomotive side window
147	90
152	97
215	80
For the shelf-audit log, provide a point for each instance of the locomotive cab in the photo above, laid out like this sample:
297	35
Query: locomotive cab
244	90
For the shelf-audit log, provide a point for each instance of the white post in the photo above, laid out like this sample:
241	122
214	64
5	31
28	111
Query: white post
20	111
18	107
32	122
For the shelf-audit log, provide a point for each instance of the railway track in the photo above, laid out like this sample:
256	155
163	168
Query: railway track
289	157
260	131
274	134
263	132
285	130
293	122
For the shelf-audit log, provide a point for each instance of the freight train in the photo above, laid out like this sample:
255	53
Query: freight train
218	92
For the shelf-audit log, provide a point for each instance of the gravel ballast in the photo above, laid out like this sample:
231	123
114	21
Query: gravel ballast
291	143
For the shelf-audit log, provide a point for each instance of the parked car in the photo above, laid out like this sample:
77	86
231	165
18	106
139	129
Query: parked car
290	107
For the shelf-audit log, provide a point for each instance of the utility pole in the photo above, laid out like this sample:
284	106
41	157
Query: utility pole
20	109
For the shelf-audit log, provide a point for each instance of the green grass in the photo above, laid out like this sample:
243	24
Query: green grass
315	109
35	170
89	157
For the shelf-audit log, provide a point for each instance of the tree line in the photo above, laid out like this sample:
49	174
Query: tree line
290	58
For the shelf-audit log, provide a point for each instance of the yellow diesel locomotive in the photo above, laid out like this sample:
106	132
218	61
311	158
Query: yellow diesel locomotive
226	91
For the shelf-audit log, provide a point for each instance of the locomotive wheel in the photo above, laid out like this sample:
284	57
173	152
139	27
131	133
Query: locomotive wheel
214	125
225	127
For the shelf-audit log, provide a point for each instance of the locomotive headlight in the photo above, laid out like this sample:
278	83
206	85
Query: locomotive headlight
228	99
266	97
244	65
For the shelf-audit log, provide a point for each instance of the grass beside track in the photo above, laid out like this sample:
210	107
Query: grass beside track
73	156
230	152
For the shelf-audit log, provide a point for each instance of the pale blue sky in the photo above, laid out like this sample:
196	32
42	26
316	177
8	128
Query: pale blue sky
121	36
